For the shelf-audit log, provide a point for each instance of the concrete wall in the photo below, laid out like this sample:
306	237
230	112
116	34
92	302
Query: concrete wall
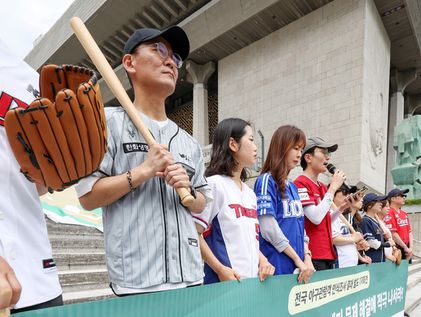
375	100
310	74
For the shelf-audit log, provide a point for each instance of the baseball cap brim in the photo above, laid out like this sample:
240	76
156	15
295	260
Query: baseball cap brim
371	197
313	143
174	35
396	192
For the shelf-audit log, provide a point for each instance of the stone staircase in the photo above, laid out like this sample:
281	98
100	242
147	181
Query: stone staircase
80	258
413	293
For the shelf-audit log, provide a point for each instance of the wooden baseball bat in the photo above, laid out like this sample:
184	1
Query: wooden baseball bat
5	312
344	220
92	49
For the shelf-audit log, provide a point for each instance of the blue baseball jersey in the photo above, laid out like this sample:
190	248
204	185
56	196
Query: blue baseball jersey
371	230
289	215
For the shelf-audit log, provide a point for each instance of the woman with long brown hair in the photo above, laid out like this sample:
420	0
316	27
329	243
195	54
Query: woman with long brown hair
279	208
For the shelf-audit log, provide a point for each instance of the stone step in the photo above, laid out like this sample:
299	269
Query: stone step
87	295
414	279
413	292
71	279
58	228
78	260
413	299
414	267
70	288
74	242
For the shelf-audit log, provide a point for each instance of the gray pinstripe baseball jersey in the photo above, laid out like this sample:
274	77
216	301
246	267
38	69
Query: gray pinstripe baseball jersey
150	238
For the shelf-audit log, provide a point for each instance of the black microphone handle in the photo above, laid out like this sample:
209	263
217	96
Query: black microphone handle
332	169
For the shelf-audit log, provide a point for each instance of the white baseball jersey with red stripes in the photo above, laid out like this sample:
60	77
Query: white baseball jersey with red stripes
232	228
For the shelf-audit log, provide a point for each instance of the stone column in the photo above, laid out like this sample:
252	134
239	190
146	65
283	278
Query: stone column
399	81
198	75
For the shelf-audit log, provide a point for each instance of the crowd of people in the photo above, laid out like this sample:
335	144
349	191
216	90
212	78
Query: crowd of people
154	243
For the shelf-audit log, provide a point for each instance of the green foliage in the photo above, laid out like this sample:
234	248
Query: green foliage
413	202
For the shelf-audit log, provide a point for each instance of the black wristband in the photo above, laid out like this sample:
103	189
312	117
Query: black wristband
129	179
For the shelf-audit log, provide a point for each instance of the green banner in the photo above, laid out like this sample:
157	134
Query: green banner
363	291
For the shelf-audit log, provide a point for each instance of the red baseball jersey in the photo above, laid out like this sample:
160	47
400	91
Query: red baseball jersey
311	193
397	221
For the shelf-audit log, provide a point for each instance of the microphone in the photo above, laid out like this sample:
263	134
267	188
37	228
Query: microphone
332	169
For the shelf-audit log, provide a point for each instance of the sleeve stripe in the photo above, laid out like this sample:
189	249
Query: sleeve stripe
264	190
201	222
200	186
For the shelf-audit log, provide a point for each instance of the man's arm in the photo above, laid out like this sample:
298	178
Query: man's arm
400	243
109	189
316	213
398	240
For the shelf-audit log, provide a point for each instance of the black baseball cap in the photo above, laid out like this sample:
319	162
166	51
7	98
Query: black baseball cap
396	192
174	35
315	141
372	197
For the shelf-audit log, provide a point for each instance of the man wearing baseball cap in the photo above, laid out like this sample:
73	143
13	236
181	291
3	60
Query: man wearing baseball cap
317	200
150	237
398	223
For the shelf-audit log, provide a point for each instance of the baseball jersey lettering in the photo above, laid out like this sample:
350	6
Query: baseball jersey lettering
303	194
292	208
135	147
241	211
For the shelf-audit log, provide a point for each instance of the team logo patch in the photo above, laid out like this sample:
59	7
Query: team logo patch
193	242
386	218
49	265
304	196
186	157
132	132
135	147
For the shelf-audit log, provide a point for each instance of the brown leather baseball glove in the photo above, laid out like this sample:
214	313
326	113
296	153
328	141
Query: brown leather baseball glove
61	137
